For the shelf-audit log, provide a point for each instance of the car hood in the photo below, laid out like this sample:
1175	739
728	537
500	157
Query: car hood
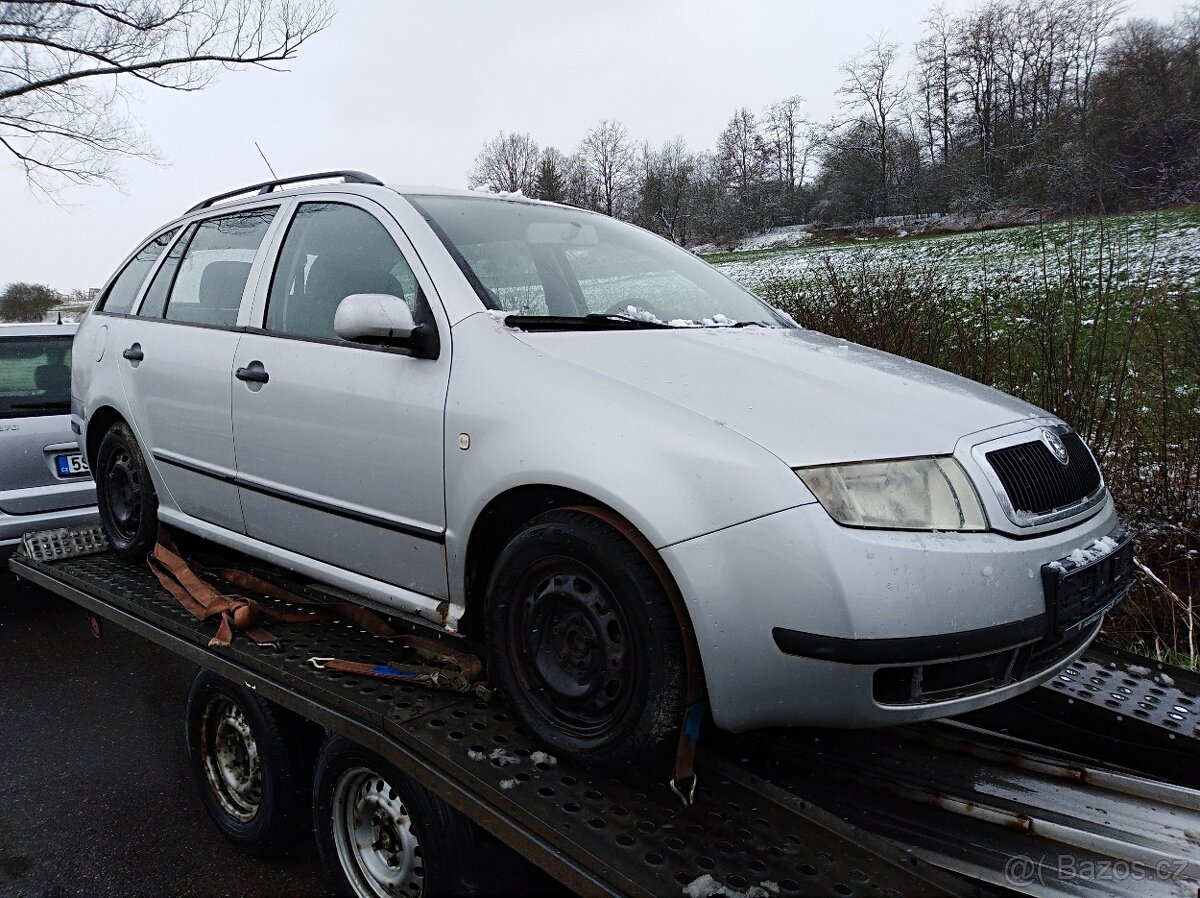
808	398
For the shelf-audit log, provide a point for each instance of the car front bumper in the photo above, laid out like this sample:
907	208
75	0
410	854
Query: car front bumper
768	598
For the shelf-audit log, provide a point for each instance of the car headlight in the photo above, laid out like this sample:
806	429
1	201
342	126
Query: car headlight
909	494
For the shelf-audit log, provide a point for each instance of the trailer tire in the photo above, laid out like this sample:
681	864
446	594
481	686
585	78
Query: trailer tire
583	642
125	494
381	834
251	761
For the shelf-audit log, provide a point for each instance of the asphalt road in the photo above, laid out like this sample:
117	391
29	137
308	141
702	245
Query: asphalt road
95	794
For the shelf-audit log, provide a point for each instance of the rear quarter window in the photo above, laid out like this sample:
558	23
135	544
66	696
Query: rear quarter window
124	290
35	376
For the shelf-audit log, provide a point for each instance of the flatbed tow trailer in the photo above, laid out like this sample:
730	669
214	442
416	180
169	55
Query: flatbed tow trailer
1090	785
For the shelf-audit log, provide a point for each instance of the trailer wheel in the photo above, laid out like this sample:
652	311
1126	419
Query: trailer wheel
382	835
125	494
583	641
250	761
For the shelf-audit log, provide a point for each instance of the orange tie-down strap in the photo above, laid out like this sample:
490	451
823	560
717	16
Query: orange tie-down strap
183	580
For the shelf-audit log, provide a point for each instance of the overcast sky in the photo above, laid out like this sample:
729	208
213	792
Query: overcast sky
410	90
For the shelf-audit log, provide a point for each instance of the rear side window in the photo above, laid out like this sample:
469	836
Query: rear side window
124	289
155	301
216	263
35	376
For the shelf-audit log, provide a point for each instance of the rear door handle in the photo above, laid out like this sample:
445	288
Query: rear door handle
252	375
134	353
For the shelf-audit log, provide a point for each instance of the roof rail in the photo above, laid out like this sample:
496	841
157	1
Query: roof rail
348	177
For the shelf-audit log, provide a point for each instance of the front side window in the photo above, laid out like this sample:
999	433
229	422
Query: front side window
546	261
124	289
215	266
35	376
334	250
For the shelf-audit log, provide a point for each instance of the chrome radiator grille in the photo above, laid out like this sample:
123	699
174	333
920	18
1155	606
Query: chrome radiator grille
1037	483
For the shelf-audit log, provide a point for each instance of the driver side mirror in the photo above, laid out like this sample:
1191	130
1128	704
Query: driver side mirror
378	319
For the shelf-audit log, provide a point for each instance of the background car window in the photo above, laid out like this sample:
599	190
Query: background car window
216	264
35	376
332	251
155	301
124	289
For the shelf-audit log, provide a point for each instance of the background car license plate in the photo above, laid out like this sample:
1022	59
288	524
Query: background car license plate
1077	594
71	465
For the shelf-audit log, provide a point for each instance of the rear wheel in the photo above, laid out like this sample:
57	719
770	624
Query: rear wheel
382	835
251	762
584	643
125	494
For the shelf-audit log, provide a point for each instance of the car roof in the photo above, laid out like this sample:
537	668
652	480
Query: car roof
36	330
405	190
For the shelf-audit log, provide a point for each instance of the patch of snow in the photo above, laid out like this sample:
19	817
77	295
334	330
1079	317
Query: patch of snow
508	784
540	757
503	758
1093	551
707	887
476	755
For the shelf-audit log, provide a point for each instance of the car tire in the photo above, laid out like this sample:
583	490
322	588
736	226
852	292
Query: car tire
125	494
584	643
381	834
251	762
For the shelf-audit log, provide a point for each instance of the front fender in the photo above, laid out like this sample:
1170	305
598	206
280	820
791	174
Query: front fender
532	419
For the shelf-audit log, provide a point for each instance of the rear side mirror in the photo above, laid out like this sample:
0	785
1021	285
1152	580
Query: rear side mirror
374	318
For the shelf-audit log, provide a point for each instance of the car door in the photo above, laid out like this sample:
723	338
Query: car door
339	445
177	359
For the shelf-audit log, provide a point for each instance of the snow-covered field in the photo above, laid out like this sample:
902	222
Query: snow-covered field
1148	249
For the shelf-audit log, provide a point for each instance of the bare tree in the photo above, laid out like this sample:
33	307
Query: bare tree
742	154
668	189
790	148
611	161
67	68
508	162
936	83
875	91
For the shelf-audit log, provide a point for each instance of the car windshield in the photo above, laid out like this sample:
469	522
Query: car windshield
555	264
35	376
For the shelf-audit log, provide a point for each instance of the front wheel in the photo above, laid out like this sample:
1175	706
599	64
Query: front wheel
125	494
584	643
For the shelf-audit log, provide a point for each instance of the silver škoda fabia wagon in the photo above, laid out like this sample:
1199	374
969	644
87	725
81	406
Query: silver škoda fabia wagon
576	442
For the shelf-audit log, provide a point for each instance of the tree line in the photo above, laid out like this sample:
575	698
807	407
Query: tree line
1056	104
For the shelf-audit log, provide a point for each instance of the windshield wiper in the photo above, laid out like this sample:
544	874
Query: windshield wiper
37	405
593	322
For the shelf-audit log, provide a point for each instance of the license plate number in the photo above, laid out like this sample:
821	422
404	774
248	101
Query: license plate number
72	464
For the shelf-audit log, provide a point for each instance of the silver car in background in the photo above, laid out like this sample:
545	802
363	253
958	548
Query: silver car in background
579	444
44	478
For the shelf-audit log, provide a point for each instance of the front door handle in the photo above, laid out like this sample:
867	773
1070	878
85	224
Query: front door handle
134	353
252	374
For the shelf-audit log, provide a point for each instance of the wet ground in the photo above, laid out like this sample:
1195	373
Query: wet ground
96	798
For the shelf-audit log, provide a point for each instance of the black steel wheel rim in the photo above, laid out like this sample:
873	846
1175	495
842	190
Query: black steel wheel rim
570	646
123	488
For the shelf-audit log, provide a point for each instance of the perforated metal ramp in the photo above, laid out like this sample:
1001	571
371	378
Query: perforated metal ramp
600	835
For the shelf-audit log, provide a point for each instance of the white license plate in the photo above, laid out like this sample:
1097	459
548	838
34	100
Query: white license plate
71	465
